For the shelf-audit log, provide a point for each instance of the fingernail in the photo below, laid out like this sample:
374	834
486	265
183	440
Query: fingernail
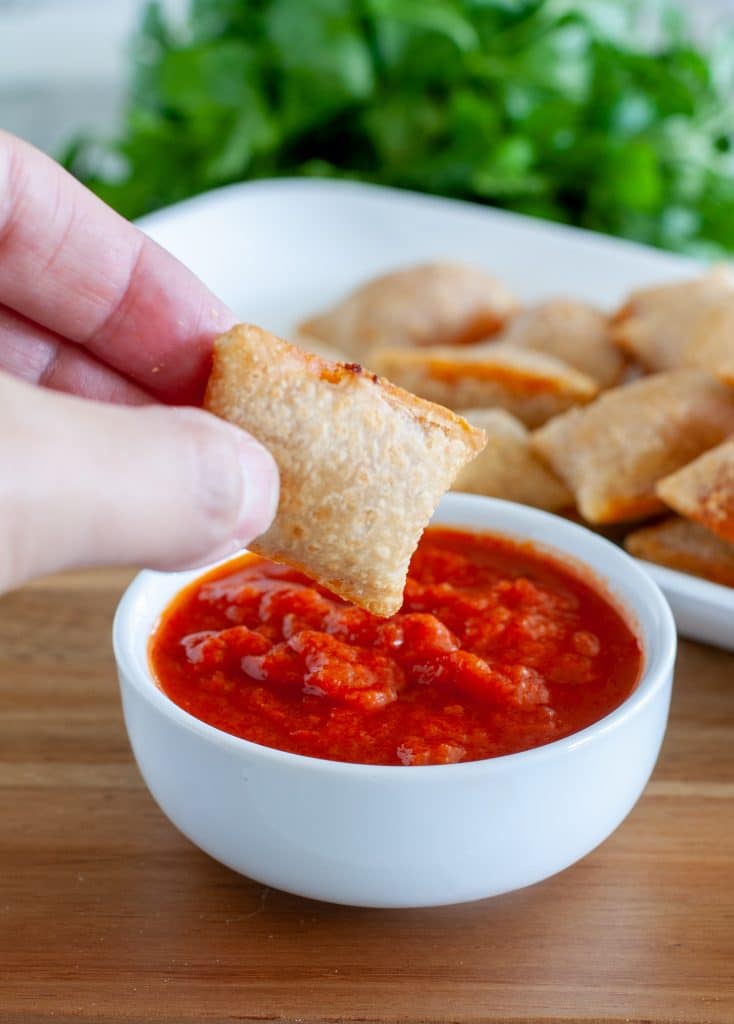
260	490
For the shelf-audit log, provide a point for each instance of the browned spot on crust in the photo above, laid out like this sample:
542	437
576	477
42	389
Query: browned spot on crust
476	328
509	377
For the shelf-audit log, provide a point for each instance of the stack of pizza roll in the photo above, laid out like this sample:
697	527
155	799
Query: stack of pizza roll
625	421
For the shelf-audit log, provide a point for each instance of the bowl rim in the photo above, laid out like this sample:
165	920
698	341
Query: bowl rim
659	651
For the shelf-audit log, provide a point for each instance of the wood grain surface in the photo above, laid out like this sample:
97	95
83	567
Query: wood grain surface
108	914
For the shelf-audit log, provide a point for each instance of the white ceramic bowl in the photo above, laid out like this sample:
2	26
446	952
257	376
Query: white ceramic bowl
405	837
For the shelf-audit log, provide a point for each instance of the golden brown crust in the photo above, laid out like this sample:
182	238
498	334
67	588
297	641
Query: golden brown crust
612	453
508	467
690	323
433	304
532	386
362	463
572	331
704	490
685	546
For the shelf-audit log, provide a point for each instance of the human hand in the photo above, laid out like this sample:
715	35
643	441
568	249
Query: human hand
91	307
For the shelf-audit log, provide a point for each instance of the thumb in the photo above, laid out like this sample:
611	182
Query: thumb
85	483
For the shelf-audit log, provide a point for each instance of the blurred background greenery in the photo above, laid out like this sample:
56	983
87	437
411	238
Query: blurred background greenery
609	114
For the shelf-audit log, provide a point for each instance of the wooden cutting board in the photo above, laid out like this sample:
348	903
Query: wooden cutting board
107	914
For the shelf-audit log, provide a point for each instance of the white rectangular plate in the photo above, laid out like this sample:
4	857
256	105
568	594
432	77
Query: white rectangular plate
276	251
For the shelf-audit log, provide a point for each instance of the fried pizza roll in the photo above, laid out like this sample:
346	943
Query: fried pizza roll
685	324
612	453
530	385
572	331
688	547
704	490
434	304
507	467
362	463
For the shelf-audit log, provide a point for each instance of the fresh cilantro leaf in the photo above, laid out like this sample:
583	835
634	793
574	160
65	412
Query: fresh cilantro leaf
586	111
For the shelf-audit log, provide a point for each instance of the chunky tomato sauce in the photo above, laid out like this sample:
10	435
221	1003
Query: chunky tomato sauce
497	648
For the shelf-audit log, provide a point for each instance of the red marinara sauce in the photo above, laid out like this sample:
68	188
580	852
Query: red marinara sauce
497	648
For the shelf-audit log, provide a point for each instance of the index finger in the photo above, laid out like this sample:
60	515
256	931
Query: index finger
70	263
